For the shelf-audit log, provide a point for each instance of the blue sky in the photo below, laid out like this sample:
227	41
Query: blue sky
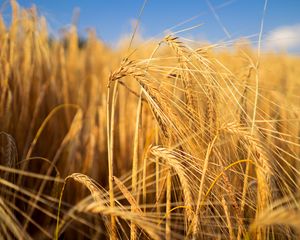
113	19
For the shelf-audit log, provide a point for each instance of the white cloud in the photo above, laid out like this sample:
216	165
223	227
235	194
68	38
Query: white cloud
283	38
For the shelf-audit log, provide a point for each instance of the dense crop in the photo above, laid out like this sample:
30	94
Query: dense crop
164	142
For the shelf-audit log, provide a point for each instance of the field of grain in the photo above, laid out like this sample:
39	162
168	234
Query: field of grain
157	141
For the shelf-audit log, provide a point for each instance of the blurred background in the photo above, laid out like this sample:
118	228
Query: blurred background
221	20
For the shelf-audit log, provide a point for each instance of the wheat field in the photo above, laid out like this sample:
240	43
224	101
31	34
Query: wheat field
162	140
